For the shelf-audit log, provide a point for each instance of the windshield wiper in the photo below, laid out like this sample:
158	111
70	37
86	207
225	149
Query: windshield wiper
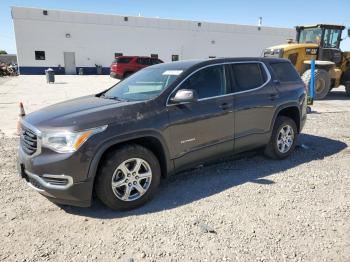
114	98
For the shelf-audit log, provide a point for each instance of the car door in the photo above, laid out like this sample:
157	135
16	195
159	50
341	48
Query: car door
254	104
203	128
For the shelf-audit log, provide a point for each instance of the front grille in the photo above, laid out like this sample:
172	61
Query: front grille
29	141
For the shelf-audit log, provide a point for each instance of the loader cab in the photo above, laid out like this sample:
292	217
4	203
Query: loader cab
327	37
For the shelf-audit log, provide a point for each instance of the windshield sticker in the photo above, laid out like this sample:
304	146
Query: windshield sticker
172	72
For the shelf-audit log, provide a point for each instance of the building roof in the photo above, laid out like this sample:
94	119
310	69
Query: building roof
26	13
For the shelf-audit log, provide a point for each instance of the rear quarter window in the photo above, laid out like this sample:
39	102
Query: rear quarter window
285	72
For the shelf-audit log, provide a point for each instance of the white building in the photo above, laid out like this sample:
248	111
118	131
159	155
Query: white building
67	41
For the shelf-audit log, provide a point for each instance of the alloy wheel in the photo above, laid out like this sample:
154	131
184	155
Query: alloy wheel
131	179
285	139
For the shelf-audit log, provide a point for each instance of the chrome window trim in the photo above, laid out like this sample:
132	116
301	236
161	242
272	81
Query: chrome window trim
234	93
38	134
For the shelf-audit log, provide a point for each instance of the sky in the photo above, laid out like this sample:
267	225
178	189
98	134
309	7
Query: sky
275	13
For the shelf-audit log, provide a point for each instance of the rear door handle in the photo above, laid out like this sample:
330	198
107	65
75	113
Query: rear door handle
274	96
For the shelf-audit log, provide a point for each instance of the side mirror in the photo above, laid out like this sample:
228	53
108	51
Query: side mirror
184	96
348	32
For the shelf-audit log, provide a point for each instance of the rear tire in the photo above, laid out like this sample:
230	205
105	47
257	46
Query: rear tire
347	88
322	82
287	126
128	177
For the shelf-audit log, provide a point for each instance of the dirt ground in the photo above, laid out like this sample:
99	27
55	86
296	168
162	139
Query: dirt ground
246	208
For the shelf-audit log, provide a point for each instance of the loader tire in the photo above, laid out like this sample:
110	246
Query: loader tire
347	88
322	82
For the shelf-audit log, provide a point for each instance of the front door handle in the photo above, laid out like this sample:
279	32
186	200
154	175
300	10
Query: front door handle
224	106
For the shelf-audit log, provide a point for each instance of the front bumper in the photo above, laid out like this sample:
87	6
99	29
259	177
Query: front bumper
60	177
60	189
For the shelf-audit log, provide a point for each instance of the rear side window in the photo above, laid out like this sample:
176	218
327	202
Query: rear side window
123	60
248	76
155	61
144	61
285	72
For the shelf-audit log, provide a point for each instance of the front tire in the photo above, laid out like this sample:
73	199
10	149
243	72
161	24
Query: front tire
283	138
128	177
322	82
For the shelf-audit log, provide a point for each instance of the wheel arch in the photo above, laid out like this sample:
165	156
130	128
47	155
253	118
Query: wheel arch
289	110
325	65
149	140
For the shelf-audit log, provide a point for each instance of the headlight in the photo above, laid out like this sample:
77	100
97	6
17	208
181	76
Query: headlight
278	52
66	141
273	52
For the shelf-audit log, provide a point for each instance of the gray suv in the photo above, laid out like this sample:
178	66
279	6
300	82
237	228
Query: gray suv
163	119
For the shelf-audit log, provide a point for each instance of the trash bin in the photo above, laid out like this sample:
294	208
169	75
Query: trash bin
99	69
50	75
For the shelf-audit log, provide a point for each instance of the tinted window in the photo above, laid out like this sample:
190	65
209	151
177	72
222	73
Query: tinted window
155	61
248	76
123	60
39	55
144	61
207	82
285	72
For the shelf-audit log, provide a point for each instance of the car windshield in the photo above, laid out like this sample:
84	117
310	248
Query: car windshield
310	35
143	85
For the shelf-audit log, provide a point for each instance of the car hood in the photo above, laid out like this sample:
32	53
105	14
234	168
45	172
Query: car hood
78	114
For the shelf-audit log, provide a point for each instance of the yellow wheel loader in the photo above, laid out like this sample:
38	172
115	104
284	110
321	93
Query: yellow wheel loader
321	43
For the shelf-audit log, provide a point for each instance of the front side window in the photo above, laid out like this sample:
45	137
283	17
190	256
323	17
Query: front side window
144	85
207	82
123	60
310	35
39	55
248	76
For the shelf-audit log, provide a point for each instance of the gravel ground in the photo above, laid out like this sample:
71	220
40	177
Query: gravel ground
247	208
35	93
